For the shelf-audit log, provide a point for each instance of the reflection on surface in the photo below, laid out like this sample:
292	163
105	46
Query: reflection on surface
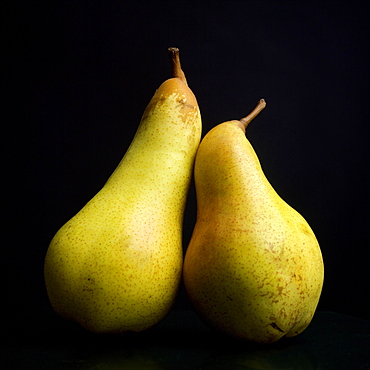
205	352
270	359
182	341
162	358
115	360
177	345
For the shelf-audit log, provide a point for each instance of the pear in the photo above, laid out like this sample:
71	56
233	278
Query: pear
116	265
253	268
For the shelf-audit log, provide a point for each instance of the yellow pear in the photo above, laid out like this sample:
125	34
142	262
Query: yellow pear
253	268
116	265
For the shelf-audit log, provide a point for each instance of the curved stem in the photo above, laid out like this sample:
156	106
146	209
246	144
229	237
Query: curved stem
177	72
255	112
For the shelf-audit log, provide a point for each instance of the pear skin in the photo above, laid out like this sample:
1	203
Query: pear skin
116	265
253	268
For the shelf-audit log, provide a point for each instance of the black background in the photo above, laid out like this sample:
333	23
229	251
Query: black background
79	75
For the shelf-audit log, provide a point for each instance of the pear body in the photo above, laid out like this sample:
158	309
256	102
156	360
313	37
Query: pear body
116	265
253	268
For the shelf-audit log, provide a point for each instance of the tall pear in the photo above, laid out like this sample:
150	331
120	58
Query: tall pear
253	268
116	265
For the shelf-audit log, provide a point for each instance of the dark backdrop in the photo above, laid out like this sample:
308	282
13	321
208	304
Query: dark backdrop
81	73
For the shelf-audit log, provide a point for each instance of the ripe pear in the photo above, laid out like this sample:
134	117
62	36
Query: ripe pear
116	265
253	268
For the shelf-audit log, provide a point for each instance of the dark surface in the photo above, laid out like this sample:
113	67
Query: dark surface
181	341
77	79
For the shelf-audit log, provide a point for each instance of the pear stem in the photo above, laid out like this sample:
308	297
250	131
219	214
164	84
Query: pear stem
244	122
177	72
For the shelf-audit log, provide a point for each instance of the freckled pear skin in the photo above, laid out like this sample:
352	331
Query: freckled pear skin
253	268
116	265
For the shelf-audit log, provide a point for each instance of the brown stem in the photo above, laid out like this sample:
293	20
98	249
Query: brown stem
255	112
177	72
